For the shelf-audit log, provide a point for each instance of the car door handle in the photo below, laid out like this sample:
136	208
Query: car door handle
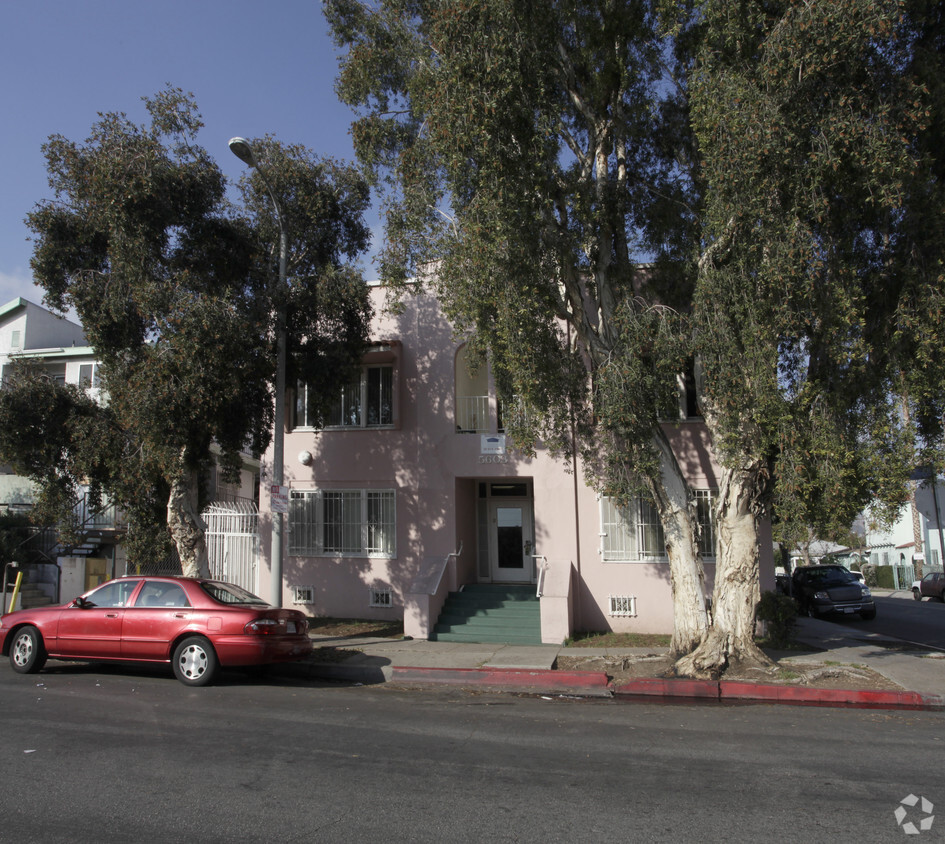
111	615
180	615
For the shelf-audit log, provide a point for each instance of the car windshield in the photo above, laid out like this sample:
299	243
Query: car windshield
227	593
831	577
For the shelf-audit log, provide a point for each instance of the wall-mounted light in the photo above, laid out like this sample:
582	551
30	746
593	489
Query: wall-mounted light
305	458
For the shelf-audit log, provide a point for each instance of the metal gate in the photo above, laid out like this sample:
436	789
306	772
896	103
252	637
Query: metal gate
903	576
233	542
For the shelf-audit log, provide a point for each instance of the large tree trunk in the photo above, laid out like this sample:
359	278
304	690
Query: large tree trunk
671	494
736	592
187	527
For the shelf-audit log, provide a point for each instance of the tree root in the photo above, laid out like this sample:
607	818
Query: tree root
717	654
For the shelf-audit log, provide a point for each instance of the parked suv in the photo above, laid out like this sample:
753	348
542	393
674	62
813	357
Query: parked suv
821	590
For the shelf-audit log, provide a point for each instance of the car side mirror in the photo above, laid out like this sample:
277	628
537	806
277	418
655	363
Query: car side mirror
81	603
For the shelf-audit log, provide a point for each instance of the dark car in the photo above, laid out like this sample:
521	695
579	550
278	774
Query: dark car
822	590
195	625
931	586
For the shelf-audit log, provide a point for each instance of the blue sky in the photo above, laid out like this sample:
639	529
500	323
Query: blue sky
253	67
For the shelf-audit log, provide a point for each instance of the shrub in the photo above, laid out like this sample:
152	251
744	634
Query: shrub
779	612
885	579
869	574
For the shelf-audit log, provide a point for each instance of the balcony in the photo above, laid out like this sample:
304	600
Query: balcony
472	415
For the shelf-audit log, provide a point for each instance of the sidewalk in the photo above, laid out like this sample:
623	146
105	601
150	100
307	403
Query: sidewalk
921	673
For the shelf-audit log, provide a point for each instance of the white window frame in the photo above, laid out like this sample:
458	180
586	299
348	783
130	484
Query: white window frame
359	396
343	523
705	500
634	534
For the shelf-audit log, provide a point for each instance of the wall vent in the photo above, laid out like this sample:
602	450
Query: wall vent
381	598
623	606
304	595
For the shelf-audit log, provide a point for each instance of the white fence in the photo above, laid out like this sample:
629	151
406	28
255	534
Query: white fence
233	542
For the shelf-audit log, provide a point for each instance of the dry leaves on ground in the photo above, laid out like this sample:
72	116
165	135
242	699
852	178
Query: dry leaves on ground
822	675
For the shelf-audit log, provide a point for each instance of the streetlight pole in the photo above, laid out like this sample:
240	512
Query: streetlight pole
244	152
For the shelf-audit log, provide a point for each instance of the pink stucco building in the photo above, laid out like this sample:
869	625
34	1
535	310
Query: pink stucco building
412	492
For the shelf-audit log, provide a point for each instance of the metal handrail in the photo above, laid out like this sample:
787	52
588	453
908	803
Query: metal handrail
444	564
542	569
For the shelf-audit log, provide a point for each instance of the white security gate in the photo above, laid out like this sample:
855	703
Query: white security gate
233	542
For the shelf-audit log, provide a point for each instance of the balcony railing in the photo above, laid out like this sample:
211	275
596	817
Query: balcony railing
105	517
472	414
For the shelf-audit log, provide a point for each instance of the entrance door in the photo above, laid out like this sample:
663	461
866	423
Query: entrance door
511	541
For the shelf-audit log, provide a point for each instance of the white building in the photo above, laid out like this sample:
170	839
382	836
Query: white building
897	546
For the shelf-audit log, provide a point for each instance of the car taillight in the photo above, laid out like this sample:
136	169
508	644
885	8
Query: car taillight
262	626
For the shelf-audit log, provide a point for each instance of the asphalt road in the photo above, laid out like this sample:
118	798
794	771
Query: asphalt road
922	622
109	755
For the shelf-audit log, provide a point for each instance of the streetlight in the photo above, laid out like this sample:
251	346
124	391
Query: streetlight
244	152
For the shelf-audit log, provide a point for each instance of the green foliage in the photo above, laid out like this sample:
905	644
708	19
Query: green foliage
177	295
814	290
884	577
777	162
56	435
779	612
522	148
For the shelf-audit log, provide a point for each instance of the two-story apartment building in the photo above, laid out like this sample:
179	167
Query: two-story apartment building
412	492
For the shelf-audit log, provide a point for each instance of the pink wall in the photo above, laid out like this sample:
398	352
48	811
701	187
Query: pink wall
436	472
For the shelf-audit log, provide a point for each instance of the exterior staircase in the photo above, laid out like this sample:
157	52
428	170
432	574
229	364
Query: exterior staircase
484	612
32	596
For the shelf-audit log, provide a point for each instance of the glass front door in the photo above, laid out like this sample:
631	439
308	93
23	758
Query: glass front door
511	542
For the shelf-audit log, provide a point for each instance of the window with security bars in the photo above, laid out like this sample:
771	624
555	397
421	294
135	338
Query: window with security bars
382	598
634	533
705	515
350	522
365	402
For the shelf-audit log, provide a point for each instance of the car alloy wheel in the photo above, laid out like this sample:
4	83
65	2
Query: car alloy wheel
195	662
27	654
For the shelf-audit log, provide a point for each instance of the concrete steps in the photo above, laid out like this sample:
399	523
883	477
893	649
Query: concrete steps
32	596
490	613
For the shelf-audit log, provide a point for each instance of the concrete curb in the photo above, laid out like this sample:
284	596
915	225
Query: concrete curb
588	682
596	684
737	691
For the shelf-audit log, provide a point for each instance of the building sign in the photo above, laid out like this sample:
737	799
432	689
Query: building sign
493	444
279	498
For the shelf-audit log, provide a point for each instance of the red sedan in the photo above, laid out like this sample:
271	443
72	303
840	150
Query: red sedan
196	625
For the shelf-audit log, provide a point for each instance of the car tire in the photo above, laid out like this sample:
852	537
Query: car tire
195	662
916	594
868	615
810	612
27	651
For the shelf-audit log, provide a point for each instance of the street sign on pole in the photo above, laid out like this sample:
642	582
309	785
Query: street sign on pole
279	497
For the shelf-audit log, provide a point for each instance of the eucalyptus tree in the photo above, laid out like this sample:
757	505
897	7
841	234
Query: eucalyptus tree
777	163
820	254
177	293
523	148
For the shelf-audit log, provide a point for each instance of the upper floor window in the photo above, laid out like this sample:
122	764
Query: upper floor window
365	402
473	414
88	375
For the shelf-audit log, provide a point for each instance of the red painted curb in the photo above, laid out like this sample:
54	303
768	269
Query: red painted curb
862	698
660	687
730	691
521	677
